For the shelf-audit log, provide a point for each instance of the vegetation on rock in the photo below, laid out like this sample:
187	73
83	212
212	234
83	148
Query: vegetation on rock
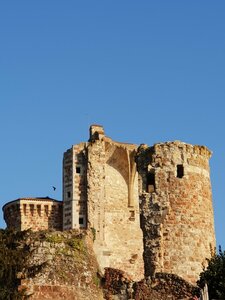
214	276
13	256
32	262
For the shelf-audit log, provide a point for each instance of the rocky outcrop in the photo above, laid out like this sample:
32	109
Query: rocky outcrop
61	266
163	287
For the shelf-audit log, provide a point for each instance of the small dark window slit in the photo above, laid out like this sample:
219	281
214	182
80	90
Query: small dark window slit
150	182
180	171
78	170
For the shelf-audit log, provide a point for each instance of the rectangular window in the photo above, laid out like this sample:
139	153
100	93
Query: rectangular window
150	182
32	209
39	210
180	171
46	210
81	221
78	170
132	215
68	194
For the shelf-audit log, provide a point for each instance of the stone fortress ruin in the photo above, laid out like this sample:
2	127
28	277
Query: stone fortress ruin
149	208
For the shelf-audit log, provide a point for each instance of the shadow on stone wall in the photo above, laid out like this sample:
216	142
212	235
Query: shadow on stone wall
164	286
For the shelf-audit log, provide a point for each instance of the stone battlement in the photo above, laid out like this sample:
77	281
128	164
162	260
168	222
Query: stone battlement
33	213
192	149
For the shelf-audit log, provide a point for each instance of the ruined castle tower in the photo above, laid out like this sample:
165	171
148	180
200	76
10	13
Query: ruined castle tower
40	213
100	192
176	208
147	206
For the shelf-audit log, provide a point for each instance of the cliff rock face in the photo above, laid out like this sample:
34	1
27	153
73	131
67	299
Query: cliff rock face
61	266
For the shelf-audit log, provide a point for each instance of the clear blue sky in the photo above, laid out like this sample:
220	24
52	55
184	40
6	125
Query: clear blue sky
149	71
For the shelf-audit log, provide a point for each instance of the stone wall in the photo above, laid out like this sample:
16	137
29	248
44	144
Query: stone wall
34	213
113	208
61	265
105	193
162	287
75	188
123	235
67	189
177	214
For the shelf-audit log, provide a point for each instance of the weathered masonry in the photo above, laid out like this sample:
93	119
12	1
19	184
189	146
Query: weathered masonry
150	208
100	192
35	213
176	208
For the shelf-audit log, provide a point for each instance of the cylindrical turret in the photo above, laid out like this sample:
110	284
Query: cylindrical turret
177	213
41	213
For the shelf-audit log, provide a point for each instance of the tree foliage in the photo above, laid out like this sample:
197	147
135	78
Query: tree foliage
13	256
214	276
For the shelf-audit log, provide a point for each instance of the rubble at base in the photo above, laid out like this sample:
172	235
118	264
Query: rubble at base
117	286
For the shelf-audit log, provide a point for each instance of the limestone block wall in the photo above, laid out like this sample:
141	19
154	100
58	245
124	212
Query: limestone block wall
113	209
123	235
34	213
75	187
177	213
79	186
67	189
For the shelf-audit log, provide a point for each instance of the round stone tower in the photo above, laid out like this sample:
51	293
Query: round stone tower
176	203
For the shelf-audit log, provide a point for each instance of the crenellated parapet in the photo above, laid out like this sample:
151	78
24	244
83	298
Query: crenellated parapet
33	213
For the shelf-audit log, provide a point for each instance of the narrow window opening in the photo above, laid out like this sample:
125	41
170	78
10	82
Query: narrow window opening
180	171
81	221
68	194
46	210
78	170
39	210
32	209
150	187
132	215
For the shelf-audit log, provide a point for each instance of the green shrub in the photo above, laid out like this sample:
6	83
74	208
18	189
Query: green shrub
54	238
76	244
214	276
